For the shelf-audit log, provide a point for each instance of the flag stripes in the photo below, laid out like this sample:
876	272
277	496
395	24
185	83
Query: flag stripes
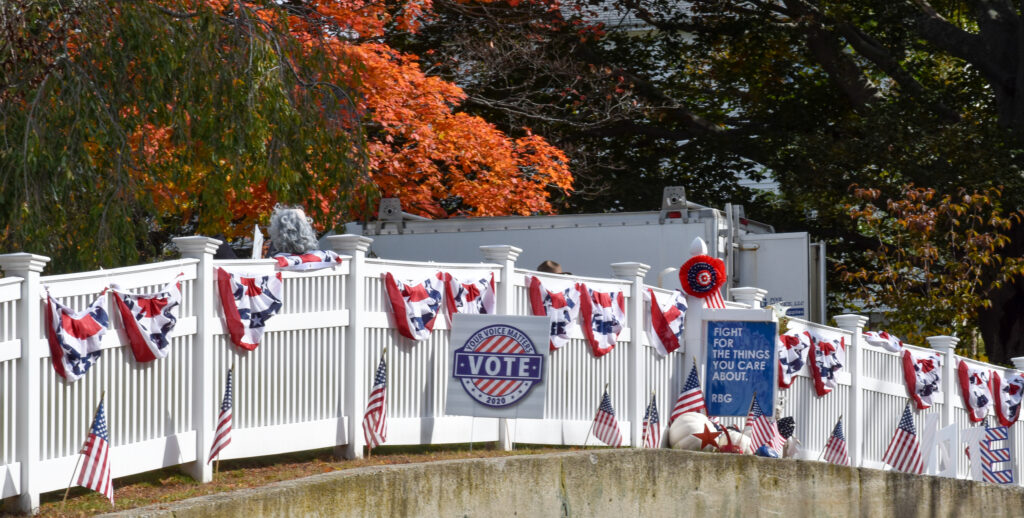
606	427
375	427
222	436
95	473
904	451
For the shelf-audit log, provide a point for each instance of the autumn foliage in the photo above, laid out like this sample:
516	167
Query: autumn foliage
936	262
418	147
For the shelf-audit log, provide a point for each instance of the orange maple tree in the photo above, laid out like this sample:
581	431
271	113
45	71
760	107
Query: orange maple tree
417	145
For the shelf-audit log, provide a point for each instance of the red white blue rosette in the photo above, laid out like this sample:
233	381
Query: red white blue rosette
702	276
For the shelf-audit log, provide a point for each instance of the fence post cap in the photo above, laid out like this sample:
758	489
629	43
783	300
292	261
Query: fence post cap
943	343
349	243
500	253
22	262
629	270
851	322
192	246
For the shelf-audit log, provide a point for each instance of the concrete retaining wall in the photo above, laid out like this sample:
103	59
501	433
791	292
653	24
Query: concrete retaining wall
614	483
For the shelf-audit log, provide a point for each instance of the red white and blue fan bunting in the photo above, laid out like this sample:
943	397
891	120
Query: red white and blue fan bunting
976	389
249	300
470	297
702	276
148	320
561	307
793	349
311	260
827	357
415	306
923	375
1008	394
75	338
601	317
884	340
665	324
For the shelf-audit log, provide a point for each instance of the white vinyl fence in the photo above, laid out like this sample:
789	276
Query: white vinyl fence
305	386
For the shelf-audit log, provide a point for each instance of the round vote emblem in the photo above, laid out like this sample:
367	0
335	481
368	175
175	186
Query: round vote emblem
498	365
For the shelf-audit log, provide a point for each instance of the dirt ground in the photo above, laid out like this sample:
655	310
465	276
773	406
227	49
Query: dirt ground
170	484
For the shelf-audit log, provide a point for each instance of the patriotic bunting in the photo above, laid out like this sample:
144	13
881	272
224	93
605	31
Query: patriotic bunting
976	389
311	260
922	373
1008	394
884	340
148	320
248	300
828	356
601	316
95	473
606	427
904	451
665	324
75	338
561	307
702	276
469	297
415	306
793	350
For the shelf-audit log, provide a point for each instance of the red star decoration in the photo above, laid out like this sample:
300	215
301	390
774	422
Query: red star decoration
707	437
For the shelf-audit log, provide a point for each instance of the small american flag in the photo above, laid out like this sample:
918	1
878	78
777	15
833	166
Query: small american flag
95	472
690	399
904	451
222	436
652	426
835	448
765	430
375	425
606	427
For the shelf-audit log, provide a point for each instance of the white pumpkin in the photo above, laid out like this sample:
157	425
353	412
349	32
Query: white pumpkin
680	434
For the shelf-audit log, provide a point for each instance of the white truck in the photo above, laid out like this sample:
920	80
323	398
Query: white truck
788	265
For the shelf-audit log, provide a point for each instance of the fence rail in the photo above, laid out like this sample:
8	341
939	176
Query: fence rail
305	386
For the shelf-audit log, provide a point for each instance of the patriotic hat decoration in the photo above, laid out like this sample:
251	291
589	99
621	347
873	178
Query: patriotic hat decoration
702	275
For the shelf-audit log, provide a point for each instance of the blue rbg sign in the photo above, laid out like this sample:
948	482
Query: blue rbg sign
741	362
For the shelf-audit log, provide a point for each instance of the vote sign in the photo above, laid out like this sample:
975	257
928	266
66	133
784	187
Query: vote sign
740	362
498	363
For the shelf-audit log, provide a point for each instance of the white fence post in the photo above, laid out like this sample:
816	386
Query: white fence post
637	396
28	267
202	248
355	347
753	297
504	255
855	422
947	346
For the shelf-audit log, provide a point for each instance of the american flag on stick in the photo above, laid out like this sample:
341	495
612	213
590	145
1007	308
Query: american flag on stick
904	451
691	398
95	472
652	426
835	449
375	424
222	436
765	430
605	426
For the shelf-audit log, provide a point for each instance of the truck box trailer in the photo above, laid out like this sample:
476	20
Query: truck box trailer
789	266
